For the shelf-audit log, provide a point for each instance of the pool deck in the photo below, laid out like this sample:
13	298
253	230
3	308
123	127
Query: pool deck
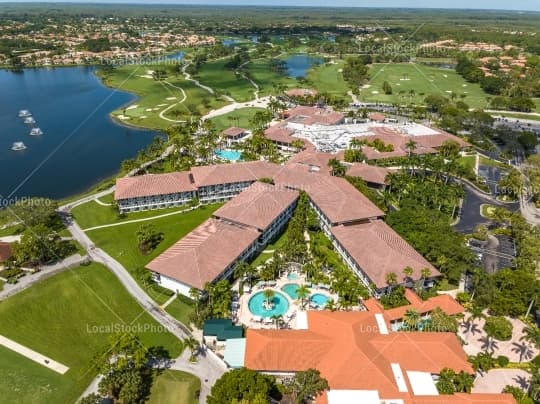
246	318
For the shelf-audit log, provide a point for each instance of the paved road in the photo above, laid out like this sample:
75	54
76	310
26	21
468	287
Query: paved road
208	369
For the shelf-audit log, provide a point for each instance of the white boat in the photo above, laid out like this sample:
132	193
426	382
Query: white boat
29	120
36	132
18	146
24	113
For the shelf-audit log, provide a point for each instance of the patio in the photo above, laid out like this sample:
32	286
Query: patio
289	319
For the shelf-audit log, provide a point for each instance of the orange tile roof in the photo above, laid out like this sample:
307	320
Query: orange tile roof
5	251
463	398
230	173
350	352
202	255
153	184
369	173
445	302
257	206
335	197
313	116
380	251
301	92
233	131
280	133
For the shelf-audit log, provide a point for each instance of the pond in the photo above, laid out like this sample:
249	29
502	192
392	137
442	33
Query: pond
298	65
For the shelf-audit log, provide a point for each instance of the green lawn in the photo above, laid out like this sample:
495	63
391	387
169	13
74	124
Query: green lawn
174	386
518	116
327	78
120	242
486	210
214	74
155	96
240	117
266	78
93	214
181	309
424	80
61	318
263	256
468	162
493	163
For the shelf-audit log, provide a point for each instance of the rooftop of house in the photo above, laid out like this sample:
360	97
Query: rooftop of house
369	173
301	92
258	205
153	184
234	131
313	116
382	251
231	173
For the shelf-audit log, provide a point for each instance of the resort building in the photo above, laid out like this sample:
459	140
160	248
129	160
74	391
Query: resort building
313	116
282	137
301	92
151	191
235	135
239	229
363	360
374	176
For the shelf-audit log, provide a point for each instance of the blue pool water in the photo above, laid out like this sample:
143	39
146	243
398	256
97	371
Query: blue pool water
292	276
319	299
231	155
290	289
281	305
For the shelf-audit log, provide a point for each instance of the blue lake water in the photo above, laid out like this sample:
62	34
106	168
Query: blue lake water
298	65
80	146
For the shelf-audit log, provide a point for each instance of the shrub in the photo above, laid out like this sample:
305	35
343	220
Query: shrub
502	361
499	328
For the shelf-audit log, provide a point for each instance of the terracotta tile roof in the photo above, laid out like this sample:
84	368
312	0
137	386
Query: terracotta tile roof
463	398
379	250
349	351
315	159
280	133
313	116
335	197
376	116
369	173
153	184
257	206
445	302
235	172
5	251
233	131
202	255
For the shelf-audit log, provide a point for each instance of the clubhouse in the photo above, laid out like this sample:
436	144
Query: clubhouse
363	360
259	211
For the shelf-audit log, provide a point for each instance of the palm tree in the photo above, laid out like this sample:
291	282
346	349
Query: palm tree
268	295
193	345
531	335
277	319
302	292
407	271
411	318
391	279
464	382
426	273
195	295
476	313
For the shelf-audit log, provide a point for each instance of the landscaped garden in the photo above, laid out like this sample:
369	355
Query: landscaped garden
240	118
68	317
174	386
121	243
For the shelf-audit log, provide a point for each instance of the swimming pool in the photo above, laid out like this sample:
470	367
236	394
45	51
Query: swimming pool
290	289
319	299
231	155
280	302
292	276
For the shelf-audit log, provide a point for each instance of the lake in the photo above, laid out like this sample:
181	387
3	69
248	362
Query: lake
298	65
80	146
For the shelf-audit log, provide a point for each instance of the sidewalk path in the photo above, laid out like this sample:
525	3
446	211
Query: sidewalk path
33	355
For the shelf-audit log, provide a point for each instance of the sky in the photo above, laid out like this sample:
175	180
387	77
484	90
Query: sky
533	5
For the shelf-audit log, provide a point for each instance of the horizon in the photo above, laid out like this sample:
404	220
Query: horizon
483	5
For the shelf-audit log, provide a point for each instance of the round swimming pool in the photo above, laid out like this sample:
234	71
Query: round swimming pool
319	299
231	155
279	301
290	289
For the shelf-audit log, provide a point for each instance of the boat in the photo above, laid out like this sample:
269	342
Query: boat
29	120
18	146
24	113
36	132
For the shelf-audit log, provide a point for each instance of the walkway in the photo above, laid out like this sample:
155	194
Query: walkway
496	380
162	113
44	273
103	226
259	103
102	203
164	305
33	355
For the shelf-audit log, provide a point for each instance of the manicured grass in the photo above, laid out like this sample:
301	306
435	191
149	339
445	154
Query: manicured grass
327	78
266	78
154	96
486	210
174	386
93	214
120	242
214	74
468	162
519	116
240	117
11	231
181	309
263	256
493	163
424	80
68	317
